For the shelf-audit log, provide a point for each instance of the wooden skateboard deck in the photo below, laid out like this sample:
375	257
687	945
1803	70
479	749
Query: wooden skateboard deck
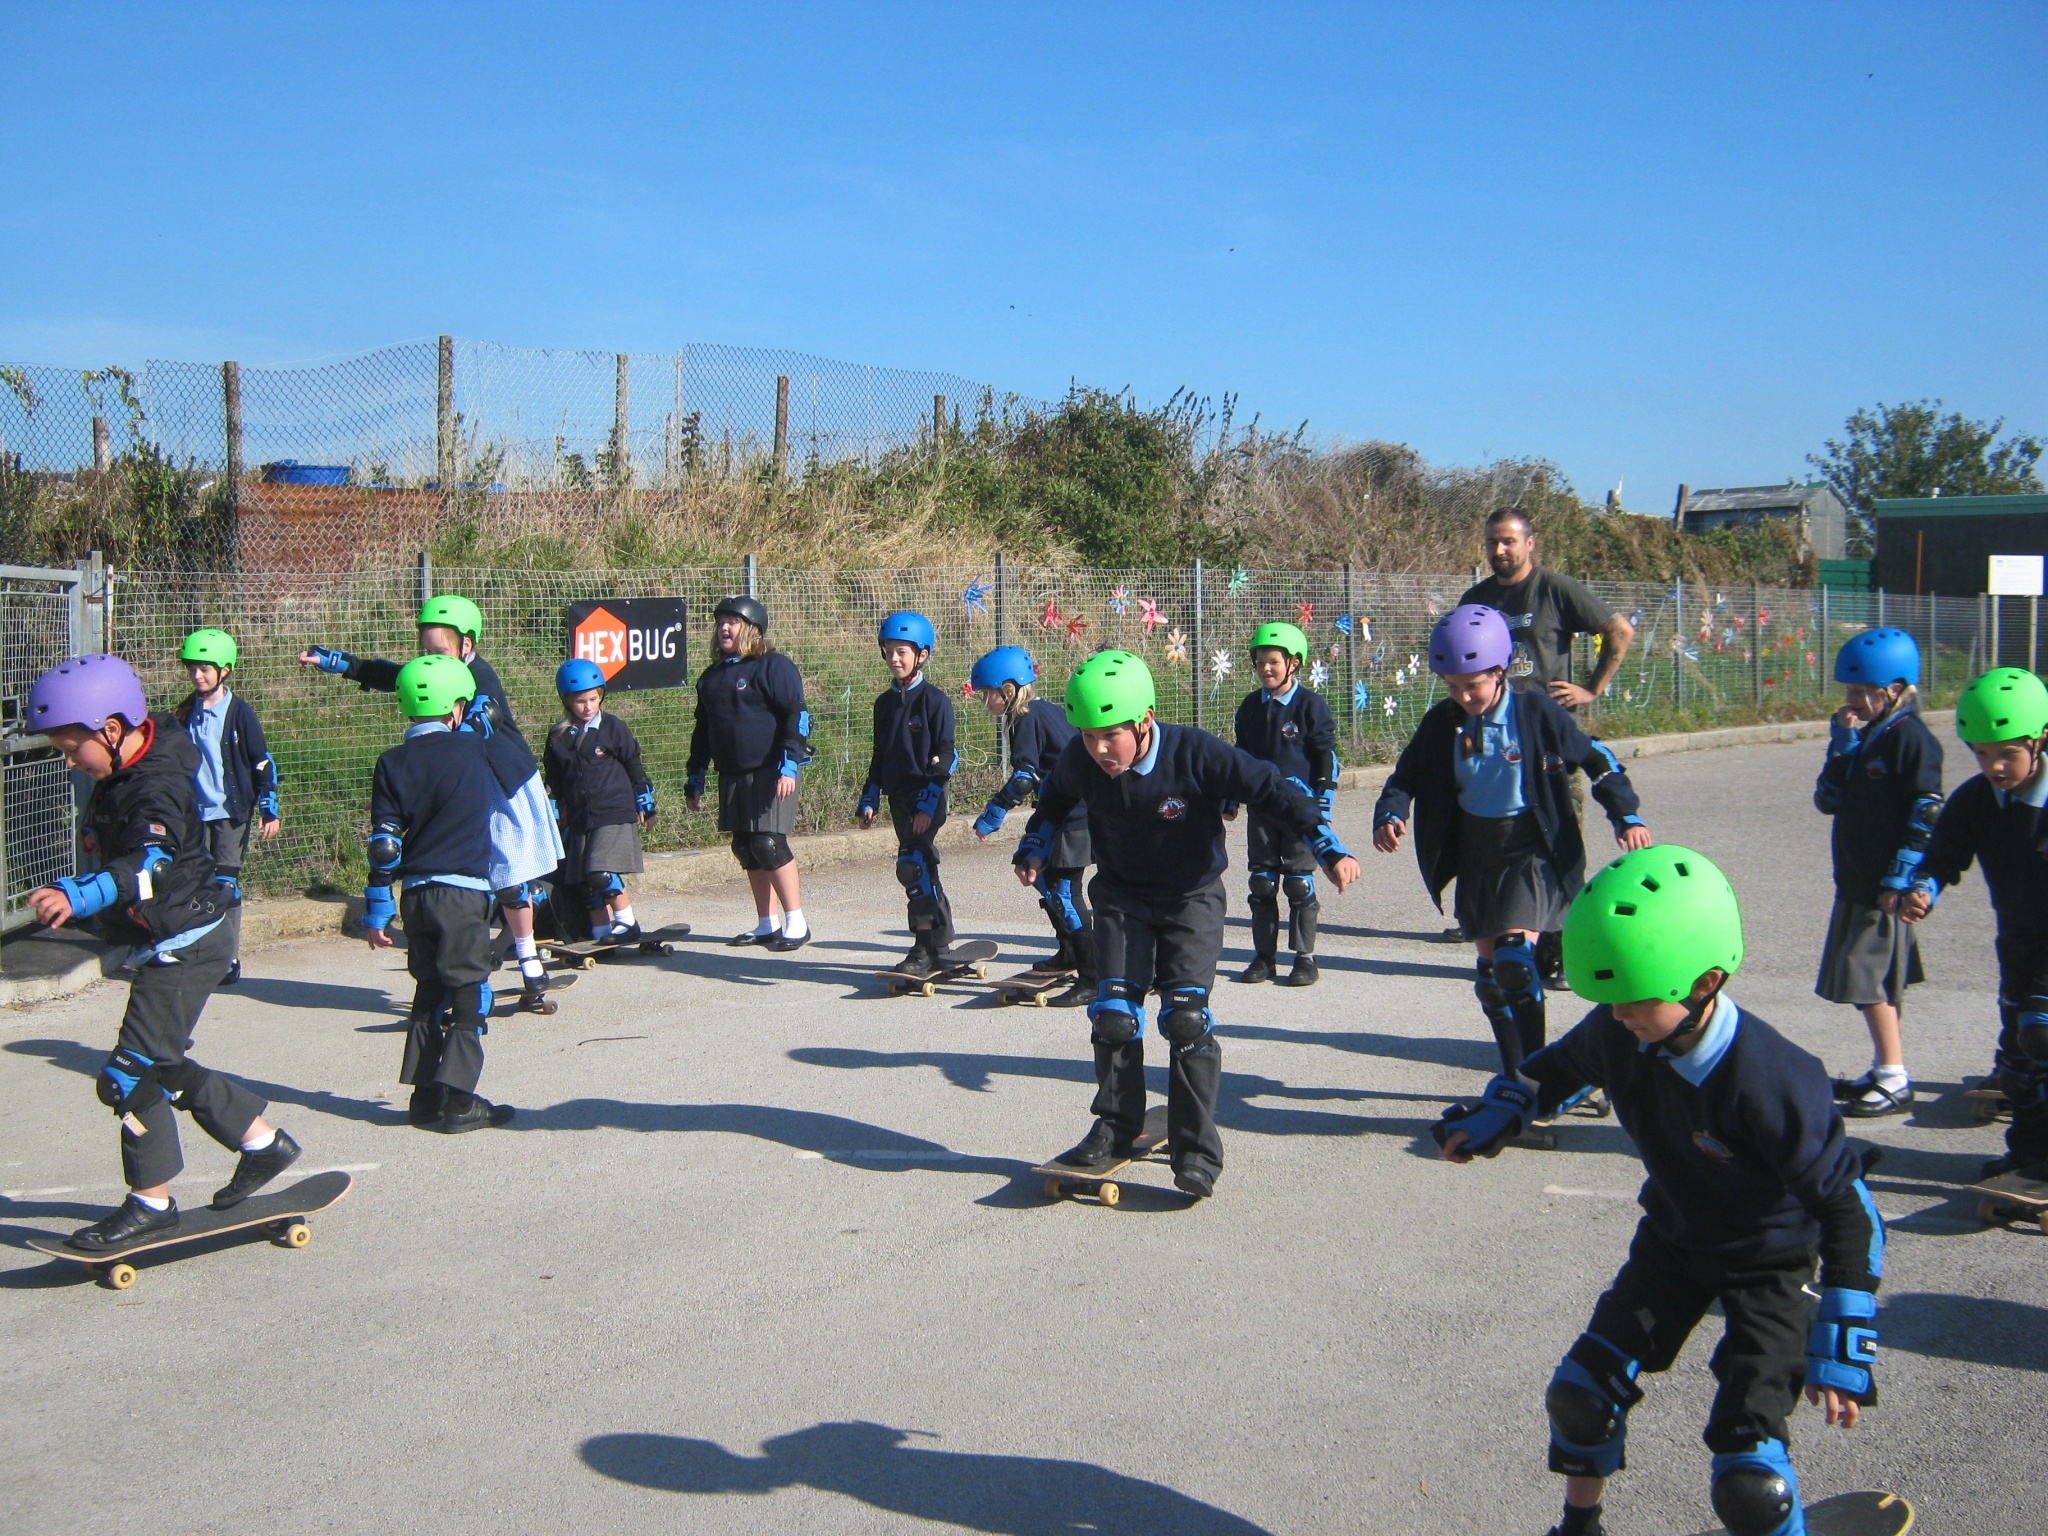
1061	1180
2012	1197
1033	986
967	958
1987	1101
284	1211
584	953
1852	1514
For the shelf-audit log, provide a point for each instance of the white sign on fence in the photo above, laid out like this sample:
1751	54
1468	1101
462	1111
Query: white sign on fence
2015	576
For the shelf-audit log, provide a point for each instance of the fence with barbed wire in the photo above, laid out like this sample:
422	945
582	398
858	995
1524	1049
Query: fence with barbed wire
1700	657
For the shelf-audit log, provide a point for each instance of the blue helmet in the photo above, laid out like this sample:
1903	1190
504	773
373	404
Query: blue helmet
912	627
577	676
1004	664
1878	658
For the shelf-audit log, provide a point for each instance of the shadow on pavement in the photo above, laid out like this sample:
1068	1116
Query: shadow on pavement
73	1057
1011	1495
281	993
1986	1330
1478	1053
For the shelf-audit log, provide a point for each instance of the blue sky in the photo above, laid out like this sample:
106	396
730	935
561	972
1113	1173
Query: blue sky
1654	242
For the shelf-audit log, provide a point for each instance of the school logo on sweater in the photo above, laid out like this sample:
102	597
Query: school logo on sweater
1711	1147
1172	808
1290	730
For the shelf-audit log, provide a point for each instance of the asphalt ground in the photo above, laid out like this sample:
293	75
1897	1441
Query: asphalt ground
761	1252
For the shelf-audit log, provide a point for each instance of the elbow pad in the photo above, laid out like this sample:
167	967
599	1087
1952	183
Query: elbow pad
386	847
1920	821
476	716
1023	783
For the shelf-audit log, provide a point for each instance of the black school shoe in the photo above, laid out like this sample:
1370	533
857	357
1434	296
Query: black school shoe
133	1220
1079	995
423	1109
1261	969
466	1112
2033	1164
234	975
1305	973
782	943
1194	1179
255	1170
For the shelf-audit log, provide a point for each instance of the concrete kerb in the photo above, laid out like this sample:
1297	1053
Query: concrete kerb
278	921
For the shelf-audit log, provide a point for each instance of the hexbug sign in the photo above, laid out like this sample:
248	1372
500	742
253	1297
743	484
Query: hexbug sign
637	642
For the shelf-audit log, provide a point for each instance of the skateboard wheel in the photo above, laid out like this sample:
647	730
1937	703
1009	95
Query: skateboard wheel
296	1234
118	1277
1994	1213
1109	1194
928	989
1038	1001
1055	1188
1983	1109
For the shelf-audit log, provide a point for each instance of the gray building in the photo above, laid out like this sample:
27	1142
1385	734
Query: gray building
1822	519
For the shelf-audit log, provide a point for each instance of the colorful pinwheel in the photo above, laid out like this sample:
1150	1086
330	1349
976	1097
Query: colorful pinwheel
1343	623
1176	645
1318	674
976	596
1360	697
1120	601
1076	627
1304	614
1221	664
1240	578
1149	614
1052	617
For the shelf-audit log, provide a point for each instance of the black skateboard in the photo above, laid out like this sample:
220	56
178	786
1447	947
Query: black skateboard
1062	1179
283	1212
967	958
584	953
1852	1514
1035	985
2013	1197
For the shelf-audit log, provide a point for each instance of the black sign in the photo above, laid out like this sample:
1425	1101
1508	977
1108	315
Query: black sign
637	642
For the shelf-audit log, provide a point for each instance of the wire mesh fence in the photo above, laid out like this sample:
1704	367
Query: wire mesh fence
1701	657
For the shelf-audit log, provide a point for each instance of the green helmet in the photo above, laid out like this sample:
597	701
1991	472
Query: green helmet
1287	638
1109	688
214	645
2005	704
457	613
1649	925
430	686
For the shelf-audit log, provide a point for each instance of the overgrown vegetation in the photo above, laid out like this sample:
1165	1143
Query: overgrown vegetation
1913	450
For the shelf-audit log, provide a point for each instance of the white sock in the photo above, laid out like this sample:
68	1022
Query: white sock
1890	1076
770	924
624	915
530	969
793	924
525	948
261	1143
153	1202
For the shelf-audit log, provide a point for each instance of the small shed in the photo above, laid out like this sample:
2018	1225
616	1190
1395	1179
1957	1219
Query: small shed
1822	519
1944	544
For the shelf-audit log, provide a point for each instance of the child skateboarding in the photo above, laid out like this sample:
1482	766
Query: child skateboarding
913	758
154	890
1753	1195
1155	795
1005	681
525	845
591	765
1996	817
237	779
1486	778
1882	784
753	728
430	837
1282	723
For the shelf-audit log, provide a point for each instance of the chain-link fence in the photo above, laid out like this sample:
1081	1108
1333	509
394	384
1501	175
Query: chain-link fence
1696	661
45	615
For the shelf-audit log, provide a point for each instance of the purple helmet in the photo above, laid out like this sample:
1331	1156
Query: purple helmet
85	690
1470	638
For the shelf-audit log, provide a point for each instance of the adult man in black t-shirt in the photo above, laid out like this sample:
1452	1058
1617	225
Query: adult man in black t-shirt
1544	609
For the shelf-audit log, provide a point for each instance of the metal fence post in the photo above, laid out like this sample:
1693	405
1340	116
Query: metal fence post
2034	634
1880	607
231	415
1827	634
1756	645
1002	731
622	447
781	423
1933	640
1351	654
1200	657
444	417
426	578
752	576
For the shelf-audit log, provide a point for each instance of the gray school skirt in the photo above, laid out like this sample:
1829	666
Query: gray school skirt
601	851
1870	957
1505	877
747	803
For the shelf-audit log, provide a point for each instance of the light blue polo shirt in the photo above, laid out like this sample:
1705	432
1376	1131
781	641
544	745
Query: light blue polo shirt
1490	780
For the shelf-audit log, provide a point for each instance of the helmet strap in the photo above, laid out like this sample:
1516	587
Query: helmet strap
1696	1014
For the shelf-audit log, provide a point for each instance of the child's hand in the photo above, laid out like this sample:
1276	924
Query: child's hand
1344	872
1841	1409
921	823
1387	835
379	939
785	786
1632	838
694	802
1453	1149
865	817
1027	872
1847	718
1912	906
51	906
269	829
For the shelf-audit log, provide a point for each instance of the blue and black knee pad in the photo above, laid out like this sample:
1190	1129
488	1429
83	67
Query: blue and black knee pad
1301	891
1756	1492
231	881
1117	1016
1515	969
1264	885
128	1082
1184	1017
604	887
515	898
1057	898
2030	1028
1588	1400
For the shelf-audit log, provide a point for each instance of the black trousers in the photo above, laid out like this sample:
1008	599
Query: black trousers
1160	946
448	955
1275	854
228	842
917	867
1662	1293
2022	973
164	1002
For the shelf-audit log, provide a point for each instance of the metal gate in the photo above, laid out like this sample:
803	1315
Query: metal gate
45	615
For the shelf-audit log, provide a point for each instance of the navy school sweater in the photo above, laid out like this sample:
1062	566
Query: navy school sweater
1751	1163
435	787
593	774
2011	838
913	739
1870	783
136	816
749	715
1037	738
247	772
1298	737
1160	833
511	759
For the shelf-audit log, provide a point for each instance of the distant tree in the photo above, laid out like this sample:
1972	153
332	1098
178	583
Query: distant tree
1914	450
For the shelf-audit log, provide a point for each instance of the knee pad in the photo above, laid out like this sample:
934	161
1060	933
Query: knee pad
471	1004
1301	890
428	999
1057	898
768	850
1116	1017
128	1082
1184	1016
911	872
743	849
1755	1492
1588	1400
230	880
1492	1000
1265	886
1515	970
515	898
2031	1029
